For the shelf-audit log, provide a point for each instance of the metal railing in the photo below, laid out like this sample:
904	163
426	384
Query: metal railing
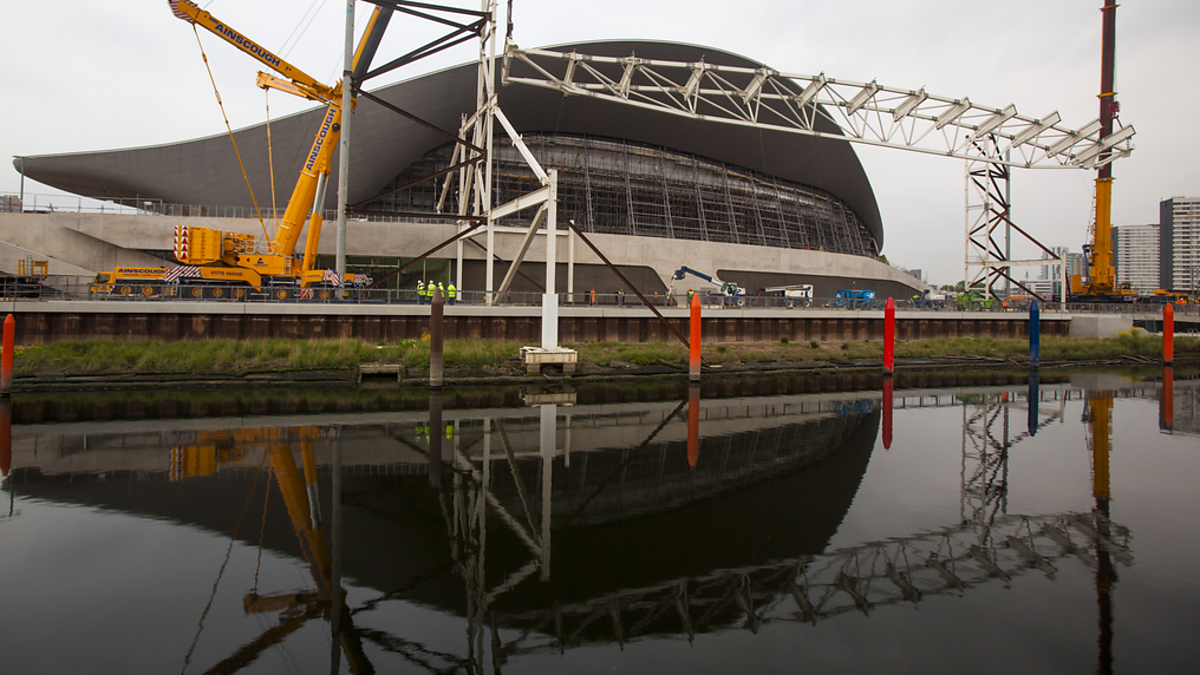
138	206
64	287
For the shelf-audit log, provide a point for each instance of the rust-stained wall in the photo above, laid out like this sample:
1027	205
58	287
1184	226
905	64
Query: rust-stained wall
34	326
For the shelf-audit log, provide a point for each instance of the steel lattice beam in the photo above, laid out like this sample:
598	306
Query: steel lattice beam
867	113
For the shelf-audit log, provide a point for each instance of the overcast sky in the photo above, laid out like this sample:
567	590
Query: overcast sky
93	75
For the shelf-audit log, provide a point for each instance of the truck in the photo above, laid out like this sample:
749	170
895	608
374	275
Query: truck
975	298
151	282
236	260
853	298
792	295
731	294
929	299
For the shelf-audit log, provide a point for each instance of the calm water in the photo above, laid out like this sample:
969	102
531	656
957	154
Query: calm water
750	526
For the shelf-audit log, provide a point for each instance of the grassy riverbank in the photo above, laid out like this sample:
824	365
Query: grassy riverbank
486	357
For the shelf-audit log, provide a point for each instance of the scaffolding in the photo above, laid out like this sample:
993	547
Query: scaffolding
617	187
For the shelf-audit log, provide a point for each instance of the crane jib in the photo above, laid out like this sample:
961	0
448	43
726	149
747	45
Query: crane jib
247	44
325	127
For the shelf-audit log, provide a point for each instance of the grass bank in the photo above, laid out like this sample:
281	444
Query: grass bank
488	357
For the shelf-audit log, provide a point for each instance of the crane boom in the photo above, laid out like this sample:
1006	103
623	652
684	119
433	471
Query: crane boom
1102	282
188	11
251	262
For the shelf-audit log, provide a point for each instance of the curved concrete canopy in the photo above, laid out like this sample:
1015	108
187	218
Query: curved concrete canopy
205	171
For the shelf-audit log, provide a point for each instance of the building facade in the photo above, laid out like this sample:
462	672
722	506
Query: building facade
1136	254
758	208
1179	243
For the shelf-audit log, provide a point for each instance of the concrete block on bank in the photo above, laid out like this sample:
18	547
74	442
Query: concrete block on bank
380	370
1100	325
536	357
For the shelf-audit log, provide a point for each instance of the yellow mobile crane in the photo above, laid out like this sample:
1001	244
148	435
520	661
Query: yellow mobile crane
210	255
1101	285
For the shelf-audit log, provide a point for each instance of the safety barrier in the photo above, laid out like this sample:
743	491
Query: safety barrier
61	287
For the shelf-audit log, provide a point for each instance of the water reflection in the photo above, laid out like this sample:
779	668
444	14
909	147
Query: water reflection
562	524
1166	407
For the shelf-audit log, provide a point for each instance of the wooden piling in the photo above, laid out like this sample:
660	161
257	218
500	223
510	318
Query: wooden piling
435	339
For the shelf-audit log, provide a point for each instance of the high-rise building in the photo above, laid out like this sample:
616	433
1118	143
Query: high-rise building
1048	271
1179	243
1136	249
1049	281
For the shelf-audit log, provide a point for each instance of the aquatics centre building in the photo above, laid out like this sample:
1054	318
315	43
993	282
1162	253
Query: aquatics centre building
757	207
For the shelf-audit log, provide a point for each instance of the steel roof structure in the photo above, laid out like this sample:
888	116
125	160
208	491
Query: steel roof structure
205	171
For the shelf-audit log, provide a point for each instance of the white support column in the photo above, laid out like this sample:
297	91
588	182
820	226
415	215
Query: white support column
344	147
550	299
458	261
490	283
567	443
549	433
570	265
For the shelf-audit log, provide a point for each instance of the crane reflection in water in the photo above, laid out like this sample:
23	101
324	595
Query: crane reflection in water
676	518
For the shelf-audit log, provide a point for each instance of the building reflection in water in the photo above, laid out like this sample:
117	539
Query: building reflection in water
677	517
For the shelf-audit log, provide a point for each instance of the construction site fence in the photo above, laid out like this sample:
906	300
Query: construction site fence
63	287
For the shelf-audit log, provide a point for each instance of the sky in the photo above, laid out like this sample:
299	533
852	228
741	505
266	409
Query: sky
94	75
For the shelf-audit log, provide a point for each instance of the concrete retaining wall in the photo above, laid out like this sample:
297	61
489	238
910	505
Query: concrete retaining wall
47	322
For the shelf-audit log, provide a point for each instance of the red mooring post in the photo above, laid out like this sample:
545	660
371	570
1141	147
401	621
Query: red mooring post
1166	405
6	359
1168	334
889	336
887	413
694	356
5	437
693	425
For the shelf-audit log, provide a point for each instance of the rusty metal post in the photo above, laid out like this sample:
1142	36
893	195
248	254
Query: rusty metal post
435	439
6	359
435	339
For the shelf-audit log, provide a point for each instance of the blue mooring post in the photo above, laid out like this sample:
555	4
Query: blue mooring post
1035	336
1032	400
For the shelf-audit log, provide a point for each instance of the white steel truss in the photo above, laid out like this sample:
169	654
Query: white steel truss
989	232
867	113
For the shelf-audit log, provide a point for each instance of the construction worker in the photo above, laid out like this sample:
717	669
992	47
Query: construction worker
420	292
621	297
442	290
450	293
593	296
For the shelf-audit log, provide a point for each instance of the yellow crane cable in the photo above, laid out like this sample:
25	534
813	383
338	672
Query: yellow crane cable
270	156
230	129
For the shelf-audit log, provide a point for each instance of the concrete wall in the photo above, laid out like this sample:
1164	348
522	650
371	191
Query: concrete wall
96	242
1100	325
84	243
47	322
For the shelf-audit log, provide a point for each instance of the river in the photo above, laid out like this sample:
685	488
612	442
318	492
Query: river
943	522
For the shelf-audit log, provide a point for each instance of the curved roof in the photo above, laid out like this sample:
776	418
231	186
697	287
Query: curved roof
205	171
